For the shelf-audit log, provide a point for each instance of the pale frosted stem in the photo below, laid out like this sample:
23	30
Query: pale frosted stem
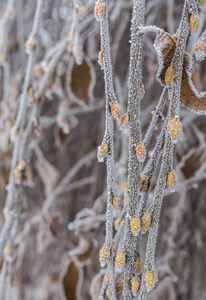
134	97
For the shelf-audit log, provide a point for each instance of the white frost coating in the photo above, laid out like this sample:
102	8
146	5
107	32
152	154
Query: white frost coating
109	138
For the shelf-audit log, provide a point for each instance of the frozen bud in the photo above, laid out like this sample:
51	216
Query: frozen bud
101	59
107	277
17	176
200	52
143	184
120	259
40	71
117	223
135	284
99	10
13	132
31	44
171	179
3	57
31	92
6	211
135	225
175	37
8	250
21	165
174	127
138	265
119	285
141	152
103	256
124	121
142	90
80	11
201	2
116	110
102	152
199	46
151	280
194	22
78	54
146	221
116	202
72	35
108	292
169	75
123	186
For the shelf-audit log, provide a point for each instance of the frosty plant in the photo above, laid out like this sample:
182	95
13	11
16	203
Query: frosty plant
121	251
59	62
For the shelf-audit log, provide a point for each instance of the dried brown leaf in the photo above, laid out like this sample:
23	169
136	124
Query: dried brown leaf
71	281
81	81
190	98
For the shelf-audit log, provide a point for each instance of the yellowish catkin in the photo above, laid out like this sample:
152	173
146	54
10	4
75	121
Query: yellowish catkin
102	151
135	284
103	256
99	10
146	221
120	259
124	121
171	179
151	280
116	202
135	225
175	127
116	110
194	22
141	151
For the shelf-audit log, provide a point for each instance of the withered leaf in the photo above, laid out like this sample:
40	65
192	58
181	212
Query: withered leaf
71	281
190	98
81	81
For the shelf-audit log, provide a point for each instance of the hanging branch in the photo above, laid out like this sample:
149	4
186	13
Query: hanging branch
134	96
17	130
149	276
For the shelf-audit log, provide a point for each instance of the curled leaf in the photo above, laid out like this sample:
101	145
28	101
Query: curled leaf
81	81
72	281
190	98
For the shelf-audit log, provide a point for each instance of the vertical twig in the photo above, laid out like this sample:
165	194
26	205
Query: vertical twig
134	97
